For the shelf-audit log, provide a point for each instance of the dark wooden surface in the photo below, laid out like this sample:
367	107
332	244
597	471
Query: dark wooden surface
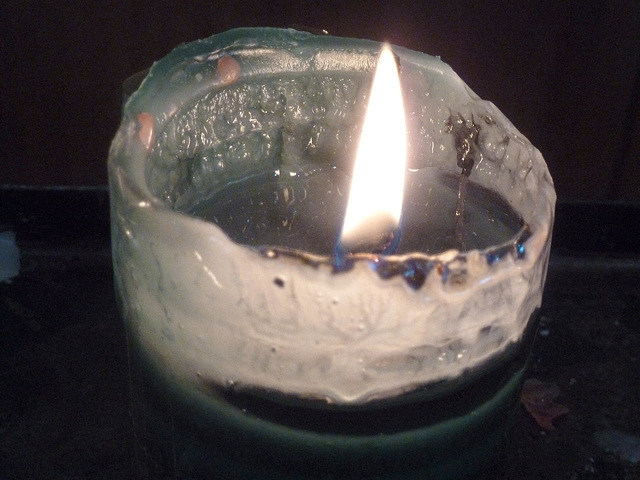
565	73
64	381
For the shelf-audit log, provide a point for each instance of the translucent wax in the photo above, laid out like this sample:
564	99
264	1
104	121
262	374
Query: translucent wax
237	314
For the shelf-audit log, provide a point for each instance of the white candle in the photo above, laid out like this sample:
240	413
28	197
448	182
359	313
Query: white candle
250	136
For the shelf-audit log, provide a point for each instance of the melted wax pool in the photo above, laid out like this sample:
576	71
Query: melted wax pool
305	210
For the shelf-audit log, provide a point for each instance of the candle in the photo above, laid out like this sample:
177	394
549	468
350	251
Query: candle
273	334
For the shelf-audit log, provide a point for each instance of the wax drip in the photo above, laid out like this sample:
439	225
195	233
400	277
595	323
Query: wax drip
466	135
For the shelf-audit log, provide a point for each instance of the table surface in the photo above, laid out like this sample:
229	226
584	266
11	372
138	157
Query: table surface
63	363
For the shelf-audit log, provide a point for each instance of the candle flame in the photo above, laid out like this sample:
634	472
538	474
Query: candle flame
375	199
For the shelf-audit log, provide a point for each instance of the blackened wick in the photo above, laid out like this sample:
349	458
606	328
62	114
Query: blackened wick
465	134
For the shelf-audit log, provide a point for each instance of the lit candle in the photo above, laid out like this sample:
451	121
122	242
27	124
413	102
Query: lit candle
375	199
261	351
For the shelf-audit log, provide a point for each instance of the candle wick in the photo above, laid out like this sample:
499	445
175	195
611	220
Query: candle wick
391	248
385	244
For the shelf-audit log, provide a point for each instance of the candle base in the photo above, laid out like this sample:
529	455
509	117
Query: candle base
191	433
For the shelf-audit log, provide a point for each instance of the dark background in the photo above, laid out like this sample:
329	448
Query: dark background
566	73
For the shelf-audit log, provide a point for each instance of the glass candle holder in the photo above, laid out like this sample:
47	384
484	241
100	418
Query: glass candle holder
254	351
